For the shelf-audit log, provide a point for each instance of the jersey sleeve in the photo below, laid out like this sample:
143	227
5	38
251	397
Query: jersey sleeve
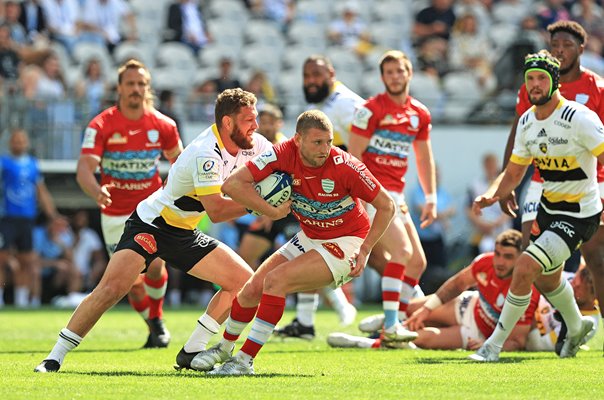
591	132
599	87
94	141
207	174
169	134
269	161
520	154
361	182
426	127
522	100
364	120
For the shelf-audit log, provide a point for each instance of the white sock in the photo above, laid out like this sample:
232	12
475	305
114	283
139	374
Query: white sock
205	329
67	341
563	300
226	345
244	357
513	308
336	297
21	296
307	308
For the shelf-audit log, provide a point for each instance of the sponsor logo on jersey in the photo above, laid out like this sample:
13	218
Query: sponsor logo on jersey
542	133
337	160
89	138
555	141
323	224
563	226
543	147
414	121
265	158
556	163
328	185
391	162
582	98
132	185
134	132
247	153
366	179
562	124
153	135
147	242
527	126
296	242
535	230
117	138
334	249
207	169
361	117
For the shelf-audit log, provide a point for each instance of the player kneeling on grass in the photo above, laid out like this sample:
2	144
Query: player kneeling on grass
331	249
464	318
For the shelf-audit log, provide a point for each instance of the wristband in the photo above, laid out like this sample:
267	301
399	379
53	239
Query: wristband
433	302
431	198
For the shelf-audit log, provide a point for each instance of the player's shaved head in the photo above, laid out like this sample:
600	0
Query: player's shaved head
313	119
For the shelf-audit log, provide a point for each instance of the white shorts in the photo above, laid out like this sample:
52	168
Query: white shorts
531	201
464	313
112	227
402	210
336	253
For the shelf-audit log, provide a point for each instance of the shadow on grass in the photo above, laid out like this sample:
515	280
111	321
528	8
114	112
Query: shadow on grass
456	360
184	375
45	351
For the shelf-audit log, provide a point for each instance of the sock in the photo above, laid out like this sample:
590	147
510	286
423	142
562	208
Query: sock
205	329
307	308
67	341
141	307
238	320
21	296
156	291
513	308
391	291
407	293
563	300
270	312
336	298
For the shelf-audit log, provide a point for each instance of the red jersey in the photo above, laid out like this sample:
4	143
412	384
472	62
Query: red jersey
587	90
492	292
129	153
391	129
325	199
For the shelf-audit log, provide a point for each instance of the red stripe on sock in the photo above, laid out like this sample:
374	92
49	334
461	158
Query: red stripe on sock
140	306
410	281
229	337
271	308
394	270
390	296
156	308
402	306
251	348
242	314
156	283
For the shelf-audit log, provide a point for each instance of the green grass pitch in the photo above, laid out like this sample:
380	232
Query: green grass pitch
110	364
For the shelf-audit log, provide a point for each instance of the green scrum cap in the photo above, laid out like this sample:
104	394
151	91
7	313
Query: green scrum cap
544	62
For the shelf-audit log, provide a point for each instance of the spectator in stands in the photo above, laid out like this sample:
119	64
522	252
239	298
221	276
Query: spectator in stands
33	20
186	24
88	252
479	9
62	17
550	11
433	236
471	51
281	12
22	190
12	13
225	80
432	57
493	220
200	106
10	62
349	31
166	106
100	20
591	16
592	56
262	88
435	20
54	245
45	82
91	87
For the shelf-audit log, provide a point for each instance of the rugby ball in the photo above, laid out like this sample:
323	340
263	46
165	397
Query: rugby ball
275	189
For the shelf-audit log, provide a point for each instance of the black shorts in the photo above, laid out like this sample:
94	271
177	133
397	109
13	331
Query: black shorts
16	232
181	248
573	231
287	226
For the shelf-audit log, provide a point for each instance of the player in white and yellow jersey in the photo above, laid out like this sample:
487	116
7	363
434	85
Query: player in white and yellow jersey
164	226
565	139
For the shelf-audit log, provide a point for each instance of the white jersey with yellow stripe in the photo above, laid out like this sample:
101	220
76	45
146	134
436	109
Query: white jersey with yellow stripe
339	107
199	171
564	147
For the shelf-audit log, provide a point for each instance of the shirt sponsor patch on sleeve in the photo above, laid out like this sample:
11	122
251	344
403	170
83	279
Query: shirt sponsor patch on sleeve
89	138
361	117
207	169
265	158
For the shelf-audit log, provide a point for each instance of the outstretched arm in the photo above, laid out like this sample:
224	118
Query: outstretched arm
501	188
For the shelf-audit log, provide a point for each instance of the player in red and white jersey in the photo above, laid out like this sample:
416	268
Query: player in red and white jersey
383	132
567	41
464	317
126	141
331	249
